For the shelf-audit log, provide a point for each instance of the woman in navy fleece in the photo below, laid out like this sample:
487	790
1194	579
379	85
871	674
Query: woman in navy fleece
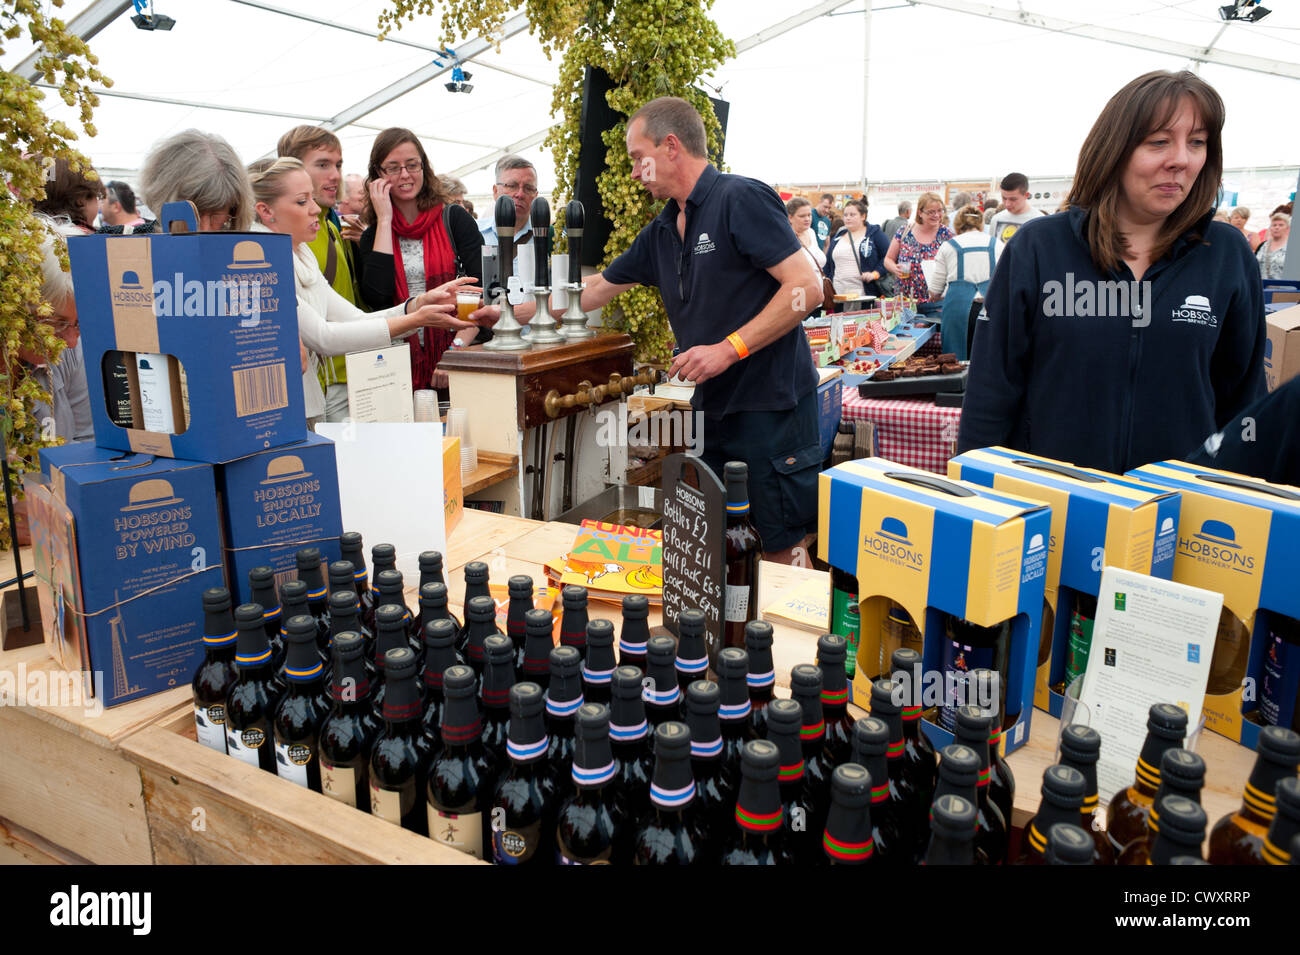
1125	329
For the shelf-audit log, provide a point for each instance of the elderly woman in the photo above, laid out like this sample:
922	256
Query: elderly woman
916	244
1136	283
201	168
1238	219
961	271
1272	253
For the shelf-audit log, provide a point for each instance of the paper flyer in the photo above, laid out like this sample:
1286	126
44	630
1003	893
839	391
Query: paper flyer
379	384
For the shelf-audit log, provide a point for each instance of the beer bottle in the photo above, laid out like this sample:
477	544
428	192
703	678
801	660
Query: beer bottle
910	789
216	674
1069	845
757	838
399	761
1080	749
390	622
1063	790
891	818
1284	833
832	650
662	695
733	713
1281	674
973	731
591	827
1126	816
629	737
382	557
563	700
302	709
970	646
692	662
348	733
573	621
635	634
952	832
392	591
494	694
525	804
744	549
293	601
1046	631
784	720
520	590
344	581
476	582
806	690
898	632
598	670
354	553
918	751
1181	774
481	623
1083	612
430	563
538	643
433	606
671	833
308	560
1238	839
343	618
959	770
1182	830
847	839
845	614
1002	782
762	672
1231	655
715	791
439	654
254	695
261	590
463	774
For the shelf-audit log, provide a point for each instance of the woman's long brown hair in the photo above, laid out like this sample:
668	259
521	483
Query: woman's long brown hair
431	192
1145	105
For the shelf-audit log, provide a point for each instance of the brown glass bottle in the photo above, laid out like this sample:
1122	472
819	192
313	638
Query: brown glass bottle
1002	782
310	573
462	776
1069	845
1080	749
692	662
480	623
973	731
733	712
784	720
715	790
897	632
525	792
967	647
439	655
806	689
348	734
905	670
1238	839
1062	801
891	832
392	590
910	789
1231	655
520	590
630	740
400	758
635	632
592	826
1181	774
261	589
1284	833
671	832
563	700
847	839
1182	830
253	697
216	674
952	832
539	640
302	709
598	668
757	839
1126	816
354	553
662	695
832	659
390	634
494	694
761	673
574	619
959	772
744	551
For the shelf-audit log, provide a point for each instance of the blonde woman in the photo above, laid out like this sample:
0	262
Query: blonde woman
961	270
919	243
1272	253
328	323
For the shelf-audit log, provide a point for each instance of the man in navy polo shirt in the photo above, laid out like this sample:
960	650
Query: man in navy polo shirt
736	285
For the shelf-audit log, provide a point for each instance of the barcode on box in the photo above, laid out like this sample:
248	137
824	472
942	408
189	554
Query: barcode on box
258	390
284	576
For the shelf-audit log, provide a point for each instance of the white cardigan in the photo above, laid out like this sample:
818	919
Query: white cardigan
329	324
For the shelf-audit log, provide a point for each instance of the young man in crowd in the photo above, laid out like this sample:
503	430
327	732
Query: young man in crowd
1015	210
821	219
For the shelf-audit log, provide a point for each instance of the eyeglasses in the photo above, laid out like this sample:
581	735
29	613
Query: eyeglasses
62	325
393	170
527	188
220	221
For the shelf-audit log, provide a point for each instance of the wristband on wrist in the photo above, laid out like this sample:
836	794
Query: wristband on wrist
736	343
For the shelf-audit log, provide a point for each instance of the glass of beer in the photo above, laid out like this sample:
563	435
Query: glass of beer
904	269
466	304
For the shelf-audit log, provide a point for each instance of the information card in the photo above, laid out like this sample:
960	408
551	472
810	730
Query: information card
379	385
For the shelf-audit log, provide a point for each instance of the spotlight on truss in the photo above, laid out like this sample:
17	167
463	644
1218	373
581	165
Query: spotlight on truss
459	81
1248	11
145	19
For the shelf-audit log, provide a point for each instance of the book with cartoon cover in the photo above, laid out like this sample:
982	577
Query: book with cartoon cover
612	561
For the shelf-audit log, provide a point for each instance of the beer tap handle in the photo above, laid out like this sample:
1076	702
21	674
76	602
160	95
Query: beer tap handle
540	215
574	216
505	221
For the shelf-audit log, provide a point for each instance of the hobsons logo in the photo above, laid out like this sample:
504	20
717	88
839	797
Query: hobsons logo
74	907
1090	298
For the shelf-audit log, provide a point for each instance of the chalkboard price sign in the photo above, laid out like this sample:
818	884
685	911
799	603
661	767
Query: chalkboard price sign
695	560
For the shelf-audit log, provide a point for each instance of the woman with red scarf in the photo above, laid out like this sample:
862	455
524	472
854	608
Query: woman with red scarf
414	241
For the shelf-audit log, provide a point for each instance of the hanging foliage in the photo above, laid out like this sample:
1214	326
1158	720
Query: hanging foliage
649	48
30	142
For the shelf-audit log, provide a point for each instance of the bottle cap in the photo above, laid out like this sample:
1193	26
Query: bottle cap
434	594
1063	786
387	615
430	562
870	737
806	682
399	664
953	817
342	600
672	739
566	682
760	760
342	574
904	659
476	572
439	634
498	649
481	609
1068	844
350	541
520	586
973	726
627	683
293	592
300	629
882	698
661	650
593	721
600	633
575	598
1167	721
1182	821
216	600
691	623
348	645
635	607
383	553
247	614
851	786
758	635
959	766
1277	744
458	681
389	580
260	576
308	558
1182	770
702	698
1080	744
832	650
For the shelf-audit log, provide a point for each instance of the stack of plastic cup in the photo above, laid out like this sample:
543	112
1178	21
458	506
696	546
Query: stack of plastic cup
426	405
458	427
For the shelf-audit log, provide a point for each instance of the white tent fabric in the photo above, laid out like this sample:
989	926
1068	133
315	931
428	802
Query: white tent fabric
950	95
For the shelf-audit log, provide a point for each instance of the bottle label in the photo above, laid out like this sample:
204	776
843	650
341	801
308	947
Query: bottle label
737	609
845	621
210	726
464	832
339	782
513	846
246	744
1076	661
291	761
958	660
1280	659
386	803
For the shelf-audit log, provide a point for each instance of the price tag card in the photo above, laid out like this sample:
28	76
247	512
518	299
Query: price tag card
1151	643
694	553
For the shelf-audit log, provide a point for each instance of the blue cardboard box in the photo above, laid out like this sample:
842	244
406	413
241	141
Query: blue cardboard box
222	306
1098	520
939	549
147	544
275	502
830	407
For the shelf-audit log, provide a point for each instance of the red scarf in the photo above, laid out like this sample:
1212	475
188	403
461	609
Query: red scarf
439	267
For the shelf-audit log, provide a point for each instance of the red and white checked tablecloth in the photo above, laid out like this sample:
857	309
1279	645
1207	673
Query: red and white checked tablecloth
911	431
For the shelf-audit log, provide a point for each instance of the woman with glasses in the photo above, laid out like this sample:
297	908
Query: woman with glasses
917	243
201	168
415	239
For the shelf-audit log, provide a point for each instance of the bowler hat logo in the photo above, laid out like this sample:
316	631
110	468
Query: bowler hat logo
248	255
287	467
1167	527
154	492
894	529
1219	532
1035	543
130	280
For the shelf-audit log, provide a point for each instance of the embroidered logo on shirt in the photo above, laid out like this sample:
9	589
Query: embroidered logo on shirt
1196	310
704	244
